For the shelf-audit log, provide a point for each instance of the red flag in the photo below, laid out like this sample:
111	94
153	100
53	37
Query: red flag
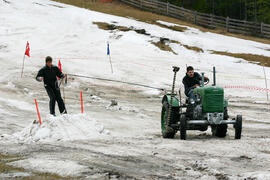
27	50
59	66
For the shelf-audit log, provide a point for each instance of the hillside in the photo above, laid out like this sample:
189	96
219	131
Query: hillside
122	141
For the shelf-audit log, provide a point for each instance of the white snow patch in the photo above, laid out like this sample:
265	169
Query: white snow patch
172	24
61	128
259	175
261	102
60	167
14	175
18	104
10	85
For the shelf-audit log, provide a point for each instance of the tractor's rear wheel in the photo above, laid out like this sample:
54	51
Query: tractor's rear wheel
183	127
219	130
166	132
238	127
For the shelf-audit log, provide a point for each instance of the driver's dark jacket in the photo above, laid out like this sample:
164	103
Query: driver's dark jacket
189	82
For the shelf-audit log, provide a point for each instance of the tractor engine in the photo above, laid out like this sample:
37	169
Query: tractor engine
197	112
209	103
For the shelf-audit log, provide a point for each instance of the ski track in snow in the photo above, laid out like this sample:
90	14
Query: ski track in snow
123	141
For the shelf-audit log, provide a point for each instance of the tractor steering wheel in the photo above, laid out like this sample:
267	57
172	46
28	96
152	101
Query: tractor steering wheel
206	81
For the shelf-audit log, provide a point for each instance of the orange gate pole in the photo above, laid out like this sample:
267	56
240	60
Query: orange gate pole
38	112
81	102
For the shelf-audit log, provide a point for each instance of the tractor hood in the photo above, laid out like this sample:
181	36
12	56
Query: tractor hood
212	98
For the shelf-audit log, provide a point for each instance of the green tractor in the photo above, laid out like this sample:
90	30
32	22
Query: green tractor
208	109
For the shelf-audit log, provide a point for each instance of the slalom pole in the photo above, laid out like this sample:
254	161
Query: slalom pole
109	54
266	83
81	102
64	94
23	61
111	63
65	83
38	112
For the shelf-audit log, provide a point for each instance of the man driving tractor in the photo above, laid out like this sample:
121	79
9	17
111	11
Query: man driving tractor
191	81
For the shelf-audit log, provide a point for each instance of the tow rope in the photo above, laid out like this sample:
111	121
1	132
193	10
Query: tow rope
118	81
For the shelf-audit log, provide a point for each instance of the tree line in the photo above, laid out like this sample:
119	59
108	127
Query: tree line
250	10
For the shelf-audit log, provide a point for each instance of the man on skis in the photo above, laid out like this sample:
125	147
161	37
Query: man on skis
48	75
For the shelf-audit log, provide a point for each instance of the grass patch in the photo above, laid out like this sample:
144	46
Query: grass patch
120	9
107	26
163	44
262	60
193	48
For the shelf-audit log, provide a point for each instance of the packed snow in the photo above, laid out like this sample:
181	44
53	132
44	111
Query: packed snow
62	128
122	140
61	167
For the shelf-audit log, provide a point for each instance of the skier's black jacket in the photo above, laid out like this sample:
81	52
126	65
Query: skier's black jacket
189	82
49	75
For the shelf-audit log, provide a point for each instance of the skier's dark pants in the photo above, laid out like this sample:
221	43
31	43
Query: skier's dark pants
55	95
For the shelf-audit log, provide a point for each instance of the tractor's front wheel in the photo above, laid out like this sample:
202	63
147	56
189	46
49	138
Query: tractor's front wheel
167	131
183	127
238	127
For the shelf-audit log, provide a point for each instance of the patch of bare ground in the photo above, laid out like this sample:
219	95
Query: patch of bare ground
260	59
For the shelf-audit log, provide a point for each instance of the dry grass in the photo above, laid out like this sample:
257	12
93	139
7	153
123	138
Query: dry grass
262	60
163	46
107	26
194	48
120	9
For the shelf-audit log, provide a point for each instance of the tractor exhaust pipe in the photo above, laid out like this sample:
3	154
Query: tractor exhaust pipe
214	76
175	70
202	83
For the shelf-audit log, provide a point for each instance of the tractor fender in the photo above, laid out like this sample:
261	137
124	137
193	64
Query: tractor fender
168	97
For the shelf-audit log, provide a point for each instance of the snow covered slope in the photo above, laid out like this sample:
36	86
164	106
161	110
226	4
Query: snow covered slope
69	32
134	147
